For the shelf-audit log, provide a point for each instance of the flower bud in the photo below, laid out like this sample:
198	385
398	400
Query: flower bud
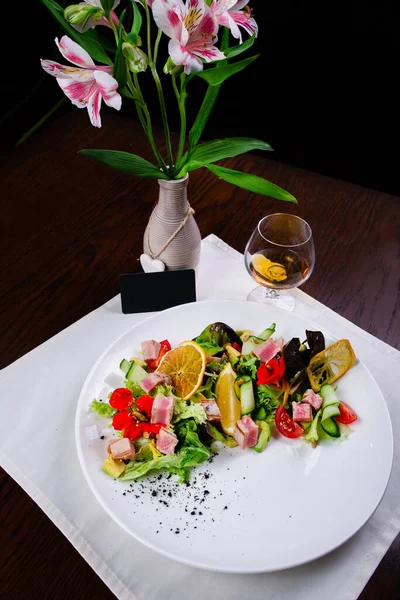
135	57
171	68
81	16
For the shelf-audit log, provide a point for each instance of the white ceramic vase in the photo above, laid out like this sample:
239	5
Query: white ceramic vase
172	209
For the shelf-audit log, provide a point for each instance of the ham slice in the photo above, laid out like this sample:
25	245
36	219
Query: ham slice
302	412
151	349
162	409
267	350
152	379
212	410
246	432
166	441
122	449
312	398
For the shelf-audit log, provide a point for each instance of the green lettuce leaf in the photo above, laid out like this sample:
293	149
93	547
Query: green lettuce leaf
176	464
102	408
188	410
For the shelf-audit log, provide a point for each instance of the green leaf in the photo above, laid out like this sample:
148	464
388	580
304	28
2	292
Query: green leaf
125	162
88	40
215	76
255	184
215	150
137	23
119	69
203	115
236	50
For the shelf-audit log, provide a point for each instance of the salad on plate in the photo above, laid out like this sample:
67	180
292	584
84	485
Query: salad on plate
232	387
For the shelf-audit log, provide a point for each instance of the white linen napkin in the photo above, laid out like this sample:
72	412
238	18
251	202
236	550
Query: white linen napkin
39	396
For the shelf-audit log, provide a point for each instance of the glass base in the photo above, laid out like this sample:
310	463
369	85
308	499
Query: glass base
279	298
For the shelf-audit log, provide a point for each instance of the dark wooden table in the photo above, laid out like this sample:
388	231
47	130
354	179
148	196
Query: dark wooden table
70	226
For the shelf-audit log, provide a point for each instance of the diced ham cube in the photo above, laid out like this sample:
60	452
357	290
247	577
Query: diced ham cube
122	449
312	398
212	410
162	410
267	350
166	441
302	412
151	349
149	383
246	432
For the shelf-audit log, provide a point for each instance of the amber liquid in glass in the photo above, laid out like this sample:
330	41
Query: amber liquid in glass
278	269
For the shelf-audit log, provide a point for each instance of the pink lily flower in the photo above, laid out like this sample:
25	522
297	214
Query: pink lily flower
86	85
192	29
229	14
76	15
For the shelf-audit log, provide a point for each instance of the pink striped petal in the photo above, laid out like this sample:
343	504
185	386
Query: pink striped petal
63	72
221	6
194	16
208	26
107	86
248	23
169	17
207	52
93	108
74	53
181	56
78	92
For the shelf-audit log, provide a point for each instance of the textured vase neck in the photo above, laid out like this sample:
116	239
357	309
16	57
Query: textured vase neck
172	198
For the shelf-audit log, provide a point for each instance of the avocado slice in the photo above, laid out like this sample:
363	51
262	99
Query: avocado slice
113	467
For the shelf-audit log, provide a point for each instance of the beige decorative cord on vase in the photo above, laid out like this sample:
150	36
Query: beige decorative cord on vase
185	219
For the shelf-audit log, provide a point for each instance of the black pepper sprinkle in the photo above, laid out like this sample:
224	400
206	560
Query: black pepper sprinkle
225	508
154	493
102	437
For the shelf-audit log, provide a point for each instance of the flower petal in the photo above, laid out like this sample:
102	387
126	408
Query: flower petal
181	56
194	16
107	86
169	17
93	108
78	92
64	72
248	23
74	53
220	6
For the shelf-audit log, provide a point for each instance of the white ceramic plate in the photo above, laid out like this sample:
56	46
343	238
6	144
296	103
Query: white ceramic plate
244	512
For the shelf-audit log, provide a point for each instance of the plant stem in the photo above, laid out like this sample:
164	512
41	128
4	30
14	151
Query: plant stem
182	112
142	106
160	93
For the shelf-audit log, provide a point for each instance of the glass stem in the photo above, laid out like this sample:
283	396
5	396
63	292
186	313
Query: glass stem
272	294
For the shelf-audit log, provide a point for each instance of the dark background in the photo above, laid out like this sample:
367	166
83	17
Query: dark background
323	91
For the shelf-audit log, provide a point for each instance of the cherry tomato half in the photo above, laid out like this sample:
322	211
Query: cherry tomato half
347	414
154	362
285	424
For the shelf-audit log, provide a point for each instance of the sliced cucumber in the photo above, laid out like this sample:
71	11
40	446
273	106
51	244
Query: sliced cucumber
331	428
136	373
330	411
240	379
328	395
266	334
247	398
125	365
251	344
